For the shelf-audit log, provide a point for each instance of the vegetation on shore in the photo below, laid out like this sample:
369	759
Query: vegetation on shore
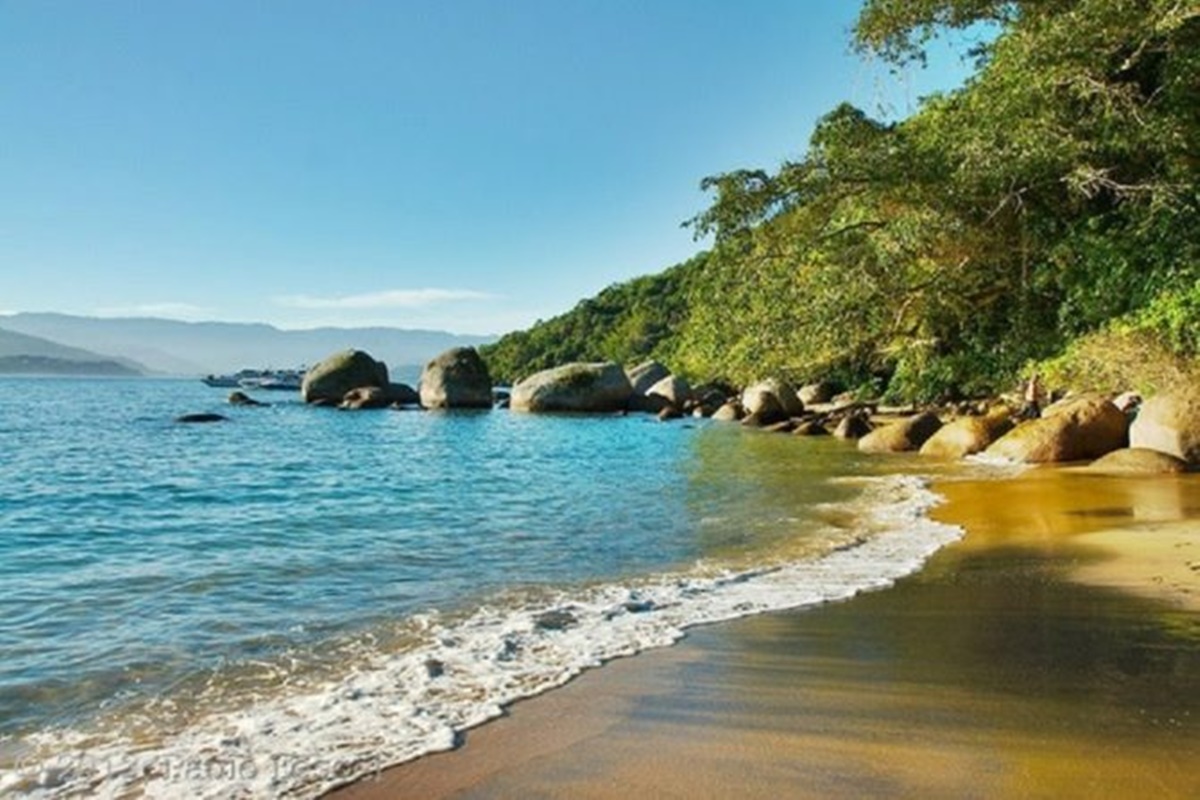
1045	213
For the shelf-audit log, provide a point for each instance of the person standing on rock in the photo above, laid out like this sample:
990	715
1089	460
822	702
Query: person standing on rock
1035	396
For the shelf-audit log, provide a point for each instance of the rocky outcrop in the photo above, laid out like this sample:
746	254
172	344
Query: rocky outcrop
243	399
401	394
817	393
810	427
1170	423
772	398
1080	429
674	389
1137	461
364	397
457	378
601	387
854	425
903	436
645	375
728	412
330	380
968	435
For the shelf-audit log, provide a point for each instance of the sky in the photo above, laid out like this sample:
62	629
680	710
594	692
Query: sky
463	165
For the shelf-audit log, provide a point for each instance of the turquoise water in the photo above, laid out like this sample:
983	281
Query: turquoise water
155	576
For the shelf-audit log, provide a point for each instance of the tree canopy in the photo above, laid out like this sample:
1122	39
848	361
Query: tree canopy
1051	197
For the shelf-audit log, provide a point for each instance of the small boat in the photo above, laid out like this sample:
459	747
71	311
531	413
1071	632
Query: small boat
276	379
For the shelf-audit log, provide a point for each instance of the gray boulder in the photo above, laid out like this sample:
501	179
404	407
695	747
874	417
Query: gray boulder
457	378
675	390
330	380
645	375
1170	423
854	425
728	412
783	392
401	394
598	387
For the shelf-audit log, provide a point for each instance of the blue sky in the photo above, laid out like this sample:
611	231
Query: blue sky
455	164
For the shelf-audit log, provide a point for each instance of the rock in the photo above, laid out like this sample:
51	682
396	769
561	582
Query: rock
708	400
1138	461
670	412
364	397
787	426
903	436
457	378
243	399
673	389
401	394
755	396
336	375
852	426
650	404
819	392
762	405
645	375
729	412
1170	423
968	435
810	427
601	387
1080	429
195	418
1127	401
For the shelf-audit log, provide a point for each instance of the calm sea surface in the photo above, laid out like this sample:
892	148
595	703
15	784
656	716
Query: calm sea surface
267	605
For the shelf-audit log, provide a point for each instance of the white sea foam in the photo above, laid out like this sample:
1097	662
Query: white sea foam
301	740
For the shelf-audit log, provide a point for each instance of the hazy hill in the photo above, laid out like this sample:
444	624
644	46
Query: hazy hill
193	348
24	354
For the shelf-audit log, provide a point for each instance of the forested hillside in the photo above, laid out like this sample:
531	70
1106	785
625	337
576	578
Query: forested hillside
1045	212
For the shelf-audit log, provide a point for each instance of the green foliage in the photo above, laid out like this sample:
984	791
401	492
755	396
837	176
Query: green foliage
1052	200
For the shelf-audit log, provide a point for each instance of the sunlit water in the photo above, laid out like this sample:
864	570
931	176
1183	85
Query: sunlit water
276	603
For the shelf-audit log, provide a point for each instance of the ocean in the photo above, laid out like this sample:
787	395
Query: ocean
279	603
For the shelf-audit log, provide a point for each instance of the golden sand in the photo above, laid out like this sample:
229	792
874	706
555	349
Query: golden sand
1039	657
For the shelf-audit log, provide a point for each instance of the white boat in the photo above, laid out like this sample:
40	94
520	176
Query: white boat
275	379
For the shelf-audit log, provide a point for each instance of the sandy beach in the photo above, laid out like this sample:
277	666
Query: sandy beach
1053	652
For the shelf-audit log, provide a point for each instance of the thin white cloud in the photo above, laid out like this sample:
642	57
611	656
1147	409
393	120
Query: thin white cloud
392	298
169	310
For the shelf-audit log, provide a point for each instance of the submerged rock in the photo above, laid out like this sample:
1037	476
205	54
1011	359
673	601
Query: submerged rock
243	399
200	418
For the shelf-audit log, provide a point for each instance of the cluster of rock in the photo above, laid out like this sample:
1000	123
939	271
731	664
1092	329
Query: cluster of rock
1116	434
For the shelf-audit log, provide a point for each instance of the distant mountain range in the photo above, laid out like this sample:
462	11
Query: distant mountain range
21	354
171	347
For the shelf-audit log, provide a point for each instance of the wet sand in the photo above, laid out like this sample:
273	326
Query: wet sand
1039	657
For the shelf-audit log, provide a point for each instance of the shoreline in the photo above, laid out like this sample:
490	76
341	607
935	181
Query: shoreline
868	696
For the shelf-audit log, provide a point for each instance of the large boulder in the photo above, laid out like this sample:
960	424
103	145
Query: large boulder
457	378
1137	461
728	412
645	375
675	390
903	436
601	387
1170	423
968	435
333	377
755	398
1080	429
401	394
